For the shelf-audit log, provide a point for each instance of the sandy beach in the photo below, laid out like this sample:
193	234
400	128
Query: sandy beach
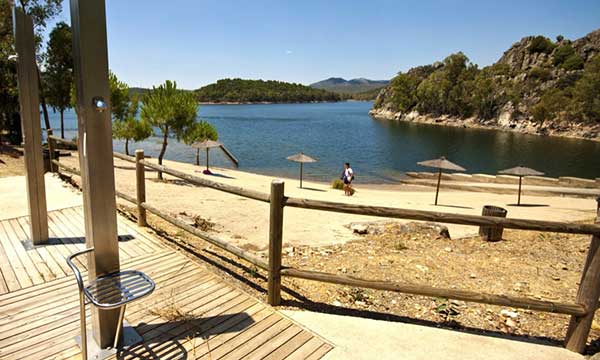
245	222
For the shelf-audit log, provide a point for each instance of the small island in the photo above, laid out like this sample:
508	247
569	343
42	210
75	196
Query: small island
241	91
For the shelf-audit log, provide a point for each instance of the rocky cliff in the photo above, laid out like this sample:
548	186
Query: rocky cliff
537	86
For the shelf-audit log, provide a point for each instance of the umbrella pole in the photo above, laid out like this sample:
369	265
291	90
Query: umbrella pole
301	164
437	190
519	197
207	159
197	157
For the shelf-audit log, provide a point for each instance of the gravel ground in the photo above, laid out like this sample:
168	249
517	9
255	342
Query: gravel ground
11	161
525	264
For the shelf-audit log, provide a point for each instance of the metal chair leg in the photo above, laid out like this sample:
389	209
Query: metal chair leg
119	326
83	326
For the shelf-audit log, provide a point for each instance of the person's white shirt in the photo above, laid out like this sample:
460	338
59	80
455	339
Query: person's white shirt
348	173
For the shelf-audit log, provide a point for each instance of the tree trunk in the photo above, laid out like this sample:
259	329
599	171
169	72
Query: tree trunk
39	76
198	157
5	123
126	146
43	100
163	149
62	124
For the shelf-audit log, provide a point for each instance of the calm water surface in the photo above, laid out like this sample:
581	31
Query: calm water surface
261	136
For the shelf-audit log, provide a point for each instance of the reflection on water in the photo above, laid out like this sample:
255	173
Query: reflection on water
261	136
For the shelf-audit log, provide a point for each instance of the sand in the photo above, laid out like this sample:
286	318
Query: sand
245	222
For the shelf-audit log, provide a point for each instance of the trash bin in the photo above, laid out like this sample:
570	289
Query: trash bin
492	233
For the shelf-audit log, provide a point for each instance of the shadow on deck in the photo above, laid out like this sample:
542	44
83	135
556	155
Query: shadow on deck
193	314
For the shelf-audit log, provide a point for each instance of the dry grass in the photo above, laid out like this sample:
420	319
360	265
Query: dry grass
526	264
169	309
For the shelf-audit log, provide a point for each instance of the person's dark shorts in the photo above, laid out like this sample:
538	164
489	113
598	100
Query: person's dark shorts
346	181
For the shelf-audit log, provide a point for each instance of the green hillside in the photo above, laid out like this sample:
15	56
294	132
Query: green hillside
256	91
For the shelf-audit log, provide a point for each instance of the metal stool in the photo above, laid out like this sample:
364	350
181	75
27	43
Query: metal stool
110	291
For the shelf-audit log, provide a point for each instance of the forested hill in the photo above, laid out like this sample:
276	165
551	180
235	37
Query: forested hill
539	86
353	86
257	91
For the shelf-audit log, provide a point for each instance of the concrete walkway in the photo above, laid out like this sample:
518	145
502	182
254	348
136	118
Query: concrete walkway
358	338
14	195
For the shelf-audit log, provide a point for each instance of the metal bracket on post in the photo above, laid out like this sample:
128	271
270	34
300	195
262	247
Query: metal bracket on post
129	339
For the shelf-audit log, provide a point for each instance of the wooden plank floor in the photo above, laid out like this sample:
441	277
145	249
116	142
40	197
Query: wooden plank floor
192	314
22	266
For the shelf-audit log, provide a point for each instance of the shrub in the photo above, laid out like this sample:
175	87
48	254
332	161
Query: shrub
539	73
337	184
573	62
586	93
541	44
404	92
551	105
498	70
562	53
566	57
568	80
486	99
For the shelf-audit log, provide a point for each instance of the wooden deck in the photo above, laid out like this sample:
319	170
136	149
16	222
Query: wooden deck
193	314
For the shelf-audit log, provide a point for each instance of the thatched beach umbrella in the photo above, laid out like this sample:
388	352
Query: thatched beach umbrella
440	164
206	144
301	158
521	171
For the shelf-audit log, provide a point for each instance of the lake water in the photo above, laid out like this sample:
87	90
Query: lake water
261	136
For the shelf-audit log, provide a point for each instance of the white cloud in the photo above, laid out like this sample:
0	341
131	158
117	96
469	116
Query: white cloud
288	52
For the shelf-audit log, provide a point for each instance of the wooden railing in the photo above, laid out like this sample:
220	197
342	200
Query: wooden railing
582	311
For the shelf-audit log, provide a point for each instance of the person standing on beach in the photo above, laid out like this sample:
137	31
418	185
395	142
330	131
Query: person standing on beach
347	177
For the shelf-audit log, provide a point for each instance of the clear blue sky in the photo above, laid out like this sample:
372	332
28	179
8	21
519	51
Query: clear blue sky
197	42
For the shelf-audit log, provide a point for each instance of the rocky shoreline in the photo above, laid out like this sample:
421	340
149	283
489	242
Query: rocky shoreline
503	122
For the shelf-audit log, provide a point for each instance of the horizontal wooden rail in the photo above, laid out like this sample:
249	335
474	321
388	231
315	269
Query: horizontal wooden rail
465	295
251	258
66	168
124	157
252	194
124	196
61	140
423	215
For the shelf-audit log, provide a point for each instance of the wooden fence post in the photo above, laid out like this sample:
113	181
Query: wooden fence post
29	105
51	147
275	242
587	295
140	185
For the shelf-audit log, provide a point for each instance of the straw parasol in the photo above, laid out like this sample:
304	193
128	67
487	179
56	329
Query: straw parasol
301	158
440	164
206	144
521	171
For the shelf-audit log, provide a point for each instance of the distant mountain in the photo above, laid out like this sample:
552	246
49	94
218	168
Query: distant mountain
138	91
353	86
